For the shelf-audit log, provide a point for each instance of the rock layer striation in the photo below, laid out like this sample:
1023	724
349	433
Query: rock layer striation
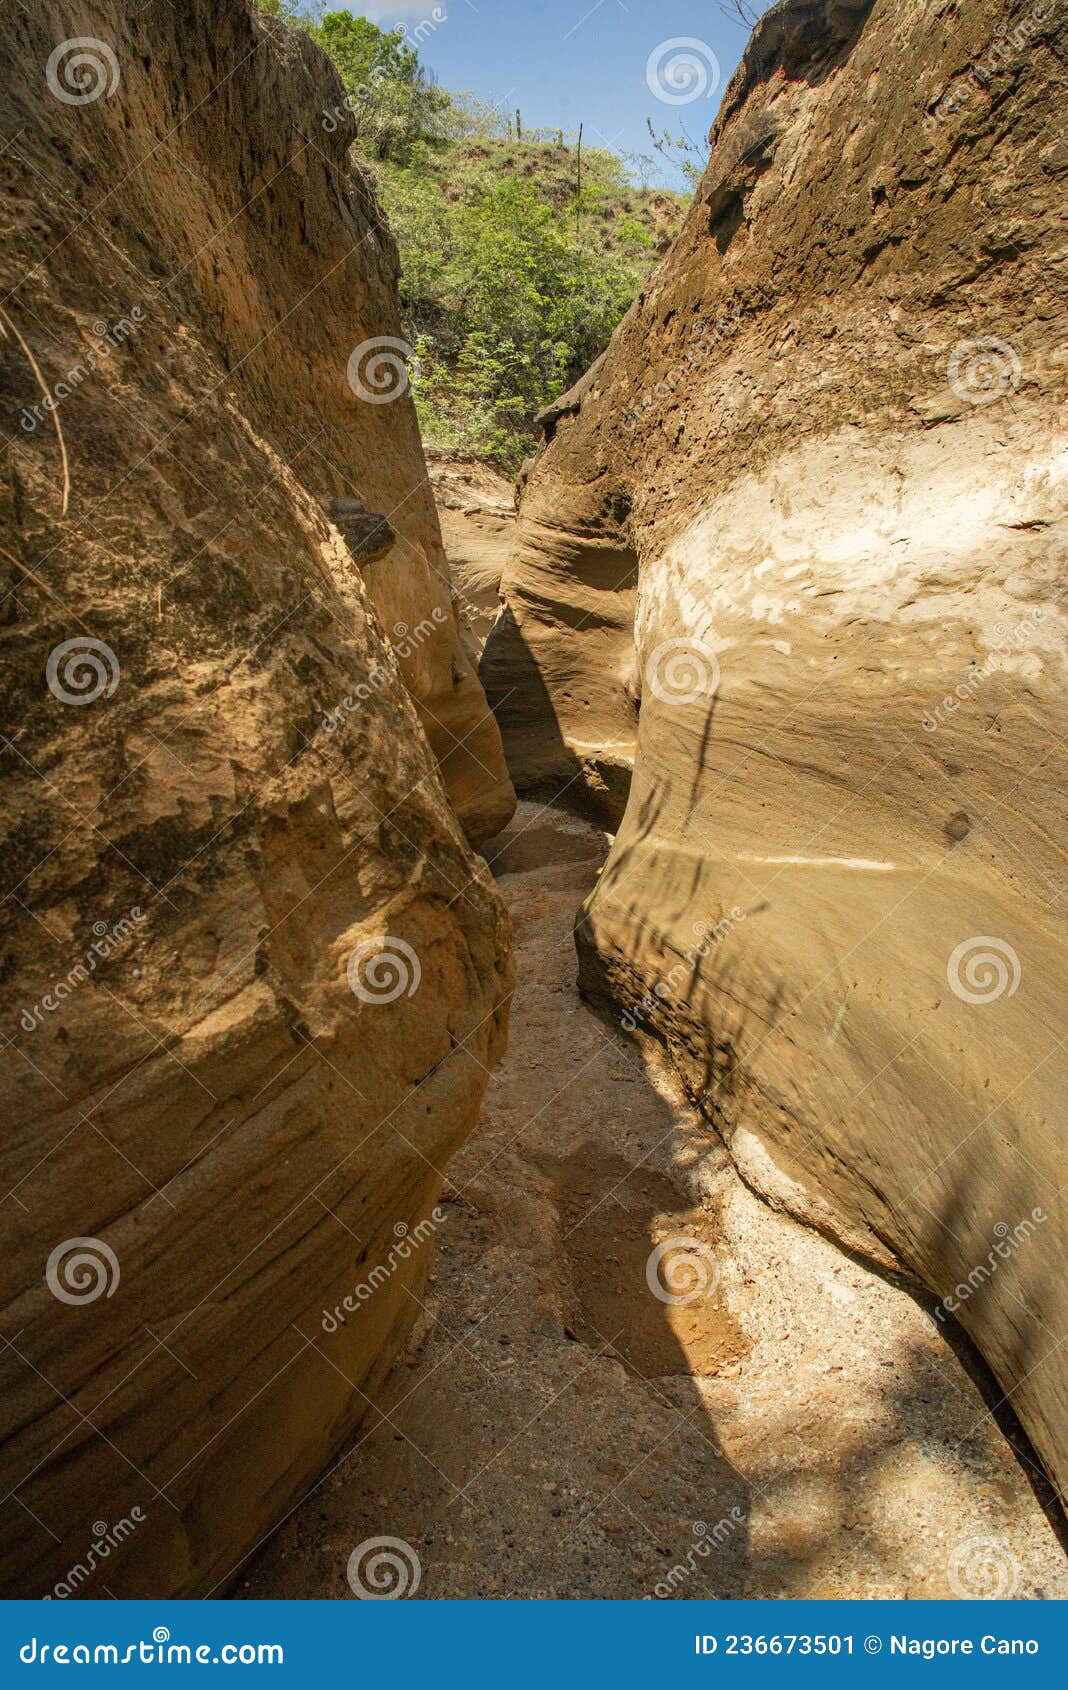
254	975
786	602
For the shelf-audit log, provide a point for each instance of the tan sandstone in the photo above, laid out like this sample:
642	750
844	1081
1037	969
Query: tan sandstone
793	553
254	784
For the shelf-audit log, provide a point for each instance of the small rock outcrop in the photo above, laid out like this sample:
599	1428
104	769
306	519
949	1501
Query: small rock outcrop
786	607
254	975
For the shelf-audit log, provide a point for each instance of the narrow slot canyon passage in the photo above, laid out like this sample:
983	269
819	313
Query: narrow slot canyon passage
411	1195
790	1426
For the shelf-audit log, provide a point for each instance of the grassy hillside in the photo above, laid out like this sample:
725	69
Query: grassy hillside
518	260
520	250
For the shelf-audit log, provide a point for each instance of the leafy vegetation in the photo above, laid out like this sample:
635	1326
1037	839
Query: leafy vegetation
513	279
520	250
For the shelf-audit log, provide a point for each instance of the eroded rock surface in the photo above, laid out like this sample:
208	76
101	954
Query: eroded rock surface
794	1427
223	808
476	509
794	554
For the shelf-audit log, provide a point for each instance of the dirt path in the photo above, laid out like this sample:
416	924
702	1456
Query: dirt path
797	1428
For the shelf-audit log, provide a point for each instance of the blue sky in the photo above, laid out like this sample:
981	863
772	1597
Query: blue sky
566	61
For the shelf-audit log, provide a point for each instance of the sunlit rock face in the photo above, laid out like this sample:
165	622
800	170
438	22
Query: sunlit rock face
794	555
254	976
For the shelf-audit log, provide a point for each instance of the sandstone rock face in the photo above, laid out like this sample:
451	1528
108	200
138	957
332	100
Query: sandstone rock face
476	510
822	464
559	665
253	974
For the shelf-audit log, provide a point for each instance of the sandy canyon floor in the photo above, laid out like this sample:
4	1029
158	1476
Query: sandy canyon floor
800	1429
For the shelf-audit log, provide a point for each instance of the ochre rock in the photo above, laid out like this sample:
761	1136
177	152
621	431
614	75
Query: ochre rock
476	509
230	794
798	548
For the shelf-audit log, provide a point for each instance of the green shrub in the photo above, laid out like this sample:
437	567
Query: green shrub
518	255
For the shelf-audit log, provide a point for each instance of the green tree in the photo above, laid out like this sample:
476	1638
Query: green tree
392	98
514	271
291	12
505	304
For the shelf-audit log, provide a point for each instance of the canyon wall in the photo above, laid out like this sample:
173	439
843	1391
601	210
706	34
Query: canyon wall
476	508
785	606
254	975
